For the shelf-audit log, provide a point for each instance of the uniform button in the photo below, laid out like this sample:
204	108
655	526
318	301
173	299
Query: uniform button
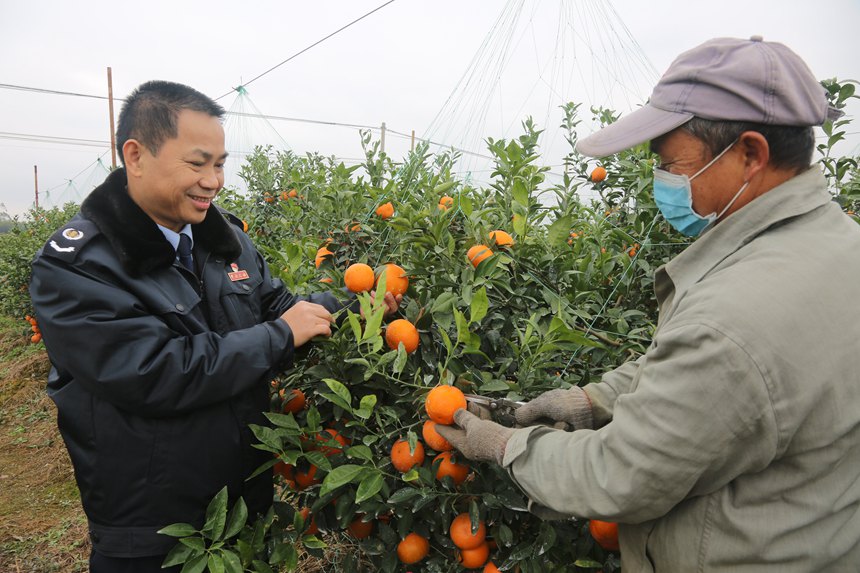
219	261
246	287
180	307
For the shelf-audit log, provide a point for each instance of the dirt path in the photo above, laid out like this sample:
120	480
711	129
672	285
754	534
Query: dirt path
42	526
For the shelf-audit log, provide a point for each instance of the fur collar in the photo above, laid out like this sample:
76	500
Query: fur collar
137	241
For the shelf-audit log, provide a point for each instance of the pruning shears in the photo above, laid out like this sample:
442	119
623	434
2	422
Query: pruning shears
501	409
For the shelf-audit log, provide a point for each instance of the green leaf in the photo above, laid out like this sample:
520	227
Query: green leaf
559	231
365	409
178	530
237	518
496	385
216	564
262	567
369	486
355	325
232	563
442	188
519	192
216	515
443	303
339	476
462	327
480	306
403	494
341	395
400	361
195	543
313	542
283	420
196	565
374	321
178	555
283	552
587	564
360	452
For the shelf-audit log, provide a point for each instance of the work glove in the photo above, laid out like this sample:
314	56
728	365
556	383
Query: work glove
477	439
570	406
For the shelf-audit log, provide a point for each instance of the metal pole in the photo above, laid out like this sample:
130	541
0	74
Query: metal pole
413	141
112	131
36	180
382	138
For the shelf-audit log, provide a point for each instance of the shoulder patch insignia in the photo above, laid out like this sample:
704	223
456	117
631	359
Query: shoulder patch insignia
60	249
73	234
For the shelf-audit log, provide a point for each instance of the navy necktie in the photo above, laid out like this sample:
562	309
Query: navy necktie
184	252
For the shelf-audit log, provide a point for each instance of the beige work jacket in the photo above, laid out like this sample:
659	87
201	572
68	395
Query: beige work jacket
733	444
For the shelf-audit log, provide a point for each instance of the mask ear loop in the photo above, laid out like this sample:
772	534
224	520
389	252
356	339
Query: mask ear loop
715	159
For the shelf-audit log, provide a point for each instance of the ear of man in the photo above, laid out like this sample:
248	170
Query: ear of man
132	153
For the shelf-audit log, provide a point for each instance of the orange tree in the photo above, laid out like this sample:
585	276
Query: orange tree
570	298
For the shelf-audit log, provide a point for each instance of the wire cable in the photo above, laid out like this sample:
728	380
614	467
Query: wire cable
299	53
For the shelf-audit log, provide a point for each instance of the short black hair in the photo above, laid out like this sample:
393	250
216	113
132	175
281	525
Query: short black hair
791	147
150	113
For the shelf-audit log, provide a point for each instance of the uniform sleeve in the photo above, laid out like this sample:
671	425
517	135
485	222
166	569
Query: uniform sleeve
699	417
612	385
107	340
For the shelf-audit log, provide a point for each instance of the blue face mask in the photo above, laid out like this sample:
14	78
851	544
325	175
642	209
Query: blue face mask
674	197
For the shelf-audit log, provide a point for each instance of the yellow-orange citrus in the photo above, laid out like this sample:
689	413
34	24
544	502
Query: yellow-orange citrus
310	526
396	281
402	459
502	238
605	533
442	401
474	558
401	330
433	439
308	478
244	225
461	532
490	567
478	253
412	549
322	253
446	203
360	529
385	211
358	277
447	467
327	280
328	435
294	401
599	174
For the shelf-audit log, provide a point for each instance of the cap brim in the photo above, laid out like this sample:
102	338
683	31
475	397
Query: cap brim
642	125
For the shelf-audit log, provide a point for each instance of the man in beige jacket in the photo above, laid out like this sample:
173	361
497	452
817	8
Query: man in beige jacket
733	443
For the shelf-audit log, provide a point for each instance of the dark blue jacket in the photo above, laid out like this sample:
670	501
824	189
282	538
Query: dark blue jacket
158	371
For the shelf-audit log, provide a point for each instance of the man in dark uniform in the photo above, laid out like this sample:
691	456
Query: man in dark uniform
164	327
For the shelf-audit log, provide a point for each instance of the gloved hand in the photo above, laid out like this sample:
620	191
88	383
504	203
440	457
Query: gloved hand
477	439
571	406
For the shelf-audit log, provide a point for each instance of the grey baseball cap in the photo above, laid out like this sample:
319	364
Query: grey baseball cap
723	79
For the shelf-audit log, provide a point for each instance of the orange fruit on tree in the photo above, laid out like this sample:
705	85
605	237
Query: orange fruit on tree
413	549
268	198
433	438
490	567
322	253
308	478
461	532
502	238
293	194
447	467
401	330
36	338
360	529
245	225
598	174
327	280
358	277
605	533
294	401
446	203
478	253
402	459
442	401
385	211
396	281
474	558
327	436
310	527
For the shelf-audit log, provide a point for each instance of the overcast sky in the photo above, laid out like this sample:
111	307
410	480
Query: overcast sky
400	66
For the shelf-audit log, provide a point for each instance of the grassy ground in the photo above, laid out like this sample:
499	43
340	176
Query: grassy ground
42	526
